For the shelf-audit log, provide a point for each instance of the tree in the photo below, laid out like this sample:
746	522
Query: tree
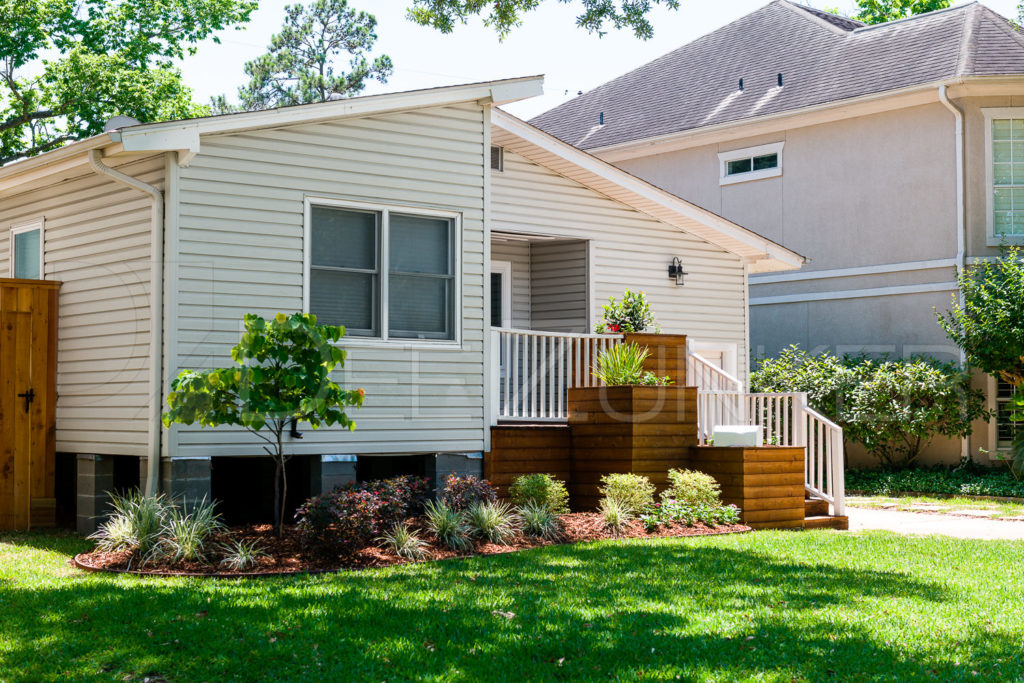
893	408
503	15
989	326
283	375
68	66
299	66
881	11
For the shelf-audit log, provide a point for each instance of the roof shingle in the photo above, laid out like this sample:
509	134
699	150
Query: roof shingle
822	58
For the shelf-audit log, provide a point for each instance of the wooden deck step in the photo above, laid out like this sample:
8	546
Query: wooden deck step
827	522
815	507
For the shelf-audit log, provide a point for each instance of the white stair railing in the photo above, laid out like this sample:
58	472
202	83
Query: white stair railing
536	369
703	374
786	420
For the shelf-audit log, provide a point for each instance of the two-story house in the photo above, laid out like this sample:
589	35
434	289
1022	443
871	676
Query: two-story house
889	155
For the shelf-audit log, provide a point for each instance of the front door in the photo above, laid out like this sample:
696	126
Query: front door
501	294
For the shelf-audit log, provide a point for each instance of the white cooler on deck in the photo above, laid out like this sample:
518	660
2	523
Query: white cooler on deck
737	435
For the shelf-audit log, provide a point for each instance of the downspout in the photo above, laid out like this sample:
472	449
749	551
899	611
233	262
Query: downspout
156	306
961	219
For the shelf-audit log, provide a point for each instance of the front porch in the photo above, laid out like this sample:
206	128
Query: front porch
531	375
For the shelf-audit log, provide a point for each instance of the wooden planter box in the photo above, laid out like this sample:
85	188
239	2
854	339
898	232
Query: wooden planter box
766	483
646	430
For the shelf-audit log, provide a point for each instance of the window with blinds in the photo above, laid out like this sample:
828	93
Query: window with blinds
1008	177
383	274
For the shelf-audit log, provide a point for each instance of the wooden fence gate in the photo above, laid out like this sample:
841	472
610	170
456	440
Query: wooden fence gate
28	399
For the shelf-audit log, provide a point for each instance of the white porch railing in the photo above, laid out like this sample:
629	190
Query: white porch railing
703	374
536	369
786	420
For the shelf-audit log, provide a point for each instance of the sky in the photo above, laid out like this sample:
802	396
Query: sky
547	43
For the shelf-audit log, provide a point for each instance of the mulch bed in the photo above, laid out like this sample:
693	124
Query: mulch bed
286	555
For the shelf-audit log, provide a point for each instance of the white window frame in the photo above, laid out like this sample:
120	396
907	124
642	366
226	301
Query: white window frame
505	269
385	210
993	424
991	114
38	224
749	153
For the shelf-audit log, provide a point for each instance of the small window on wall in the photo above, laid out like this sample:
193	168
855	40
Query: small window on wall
497	158
1006	427
753	163
383	274
26	249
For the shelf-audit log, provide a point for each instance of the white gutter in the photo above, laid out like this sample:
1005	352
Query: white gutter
156	299
961	220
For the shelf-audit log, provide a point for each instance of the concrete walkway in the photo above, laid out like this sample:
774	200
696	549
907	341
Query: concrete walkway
925	523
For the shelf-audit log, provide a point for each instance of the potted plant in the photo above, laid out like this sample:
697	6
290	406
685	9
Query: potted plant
635	421
633	319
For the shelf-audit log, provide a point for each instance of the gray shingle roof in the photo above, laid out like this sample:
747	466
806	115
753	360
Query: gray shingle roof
822	58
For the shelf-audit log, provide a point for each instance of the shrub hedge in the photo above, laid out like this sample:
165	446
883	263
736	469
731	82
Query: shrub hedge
967	481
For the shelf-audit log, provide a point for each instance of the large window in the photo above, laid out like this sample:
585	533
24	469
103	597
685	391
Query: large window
27	251
752	163
1005	153
385	274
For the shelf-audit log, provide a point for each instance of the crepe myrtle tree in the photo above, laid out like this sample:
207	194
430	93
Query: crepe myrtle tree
987	322
282	373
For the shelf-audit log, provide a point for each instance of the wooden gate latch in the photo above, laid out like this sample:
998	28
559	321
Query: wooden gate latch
29	396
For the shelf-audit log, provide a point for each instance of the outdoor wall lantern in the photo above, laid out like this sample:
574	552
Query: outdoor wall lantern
676	272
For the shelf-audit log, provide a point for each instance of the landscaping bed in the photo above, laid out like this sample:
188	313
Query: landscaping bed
286	555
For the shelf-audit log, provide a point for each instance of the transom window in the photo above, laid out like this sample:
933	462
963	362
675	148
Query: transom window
27	251
752	163
1008	177
385	274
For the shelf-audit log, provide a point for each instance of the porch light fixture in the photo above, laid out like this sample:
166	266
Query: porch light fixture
676	272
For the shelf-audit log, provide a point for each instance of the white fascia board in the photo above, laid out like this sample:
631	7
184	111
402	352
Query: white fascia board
504	91
183	138
63	158
765	247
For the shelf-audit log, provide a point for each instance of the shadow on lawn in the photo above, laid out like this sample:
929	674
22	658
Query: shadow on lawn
64	541
588	611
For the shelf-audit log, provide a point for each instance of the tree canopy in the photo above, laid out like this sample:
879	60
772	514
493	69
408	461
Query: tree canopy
881	11
66	66
504	15
300	64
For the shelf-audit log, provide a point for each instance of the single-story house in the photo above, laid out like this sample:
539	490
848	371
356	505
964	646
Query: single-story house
435	226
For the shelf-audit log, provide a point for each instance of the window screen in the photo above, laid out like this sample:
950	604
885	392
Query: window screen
1008	176
26	254
497	158
1006	427
345	269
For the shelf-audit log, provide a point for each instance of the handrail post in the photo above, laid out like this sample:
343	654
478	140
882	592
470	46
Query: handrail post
495	370
801	426
838	474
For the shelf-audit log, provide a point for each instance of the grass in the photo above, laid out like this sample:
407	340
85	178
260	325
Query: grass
995	509
769	606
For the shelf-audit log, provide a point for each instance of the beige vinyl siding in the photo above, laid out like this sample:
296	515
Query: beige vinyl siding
628	249
516	252
239	240
559	286
97	242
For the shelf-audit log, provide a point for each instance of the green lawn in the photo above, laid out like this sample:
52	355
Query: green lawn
994	509
766	606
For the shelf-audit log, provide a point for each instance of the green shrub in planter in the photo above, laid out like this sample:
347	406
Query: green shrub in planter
691	488
540	489
540	521
448	525
633	492
497	522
